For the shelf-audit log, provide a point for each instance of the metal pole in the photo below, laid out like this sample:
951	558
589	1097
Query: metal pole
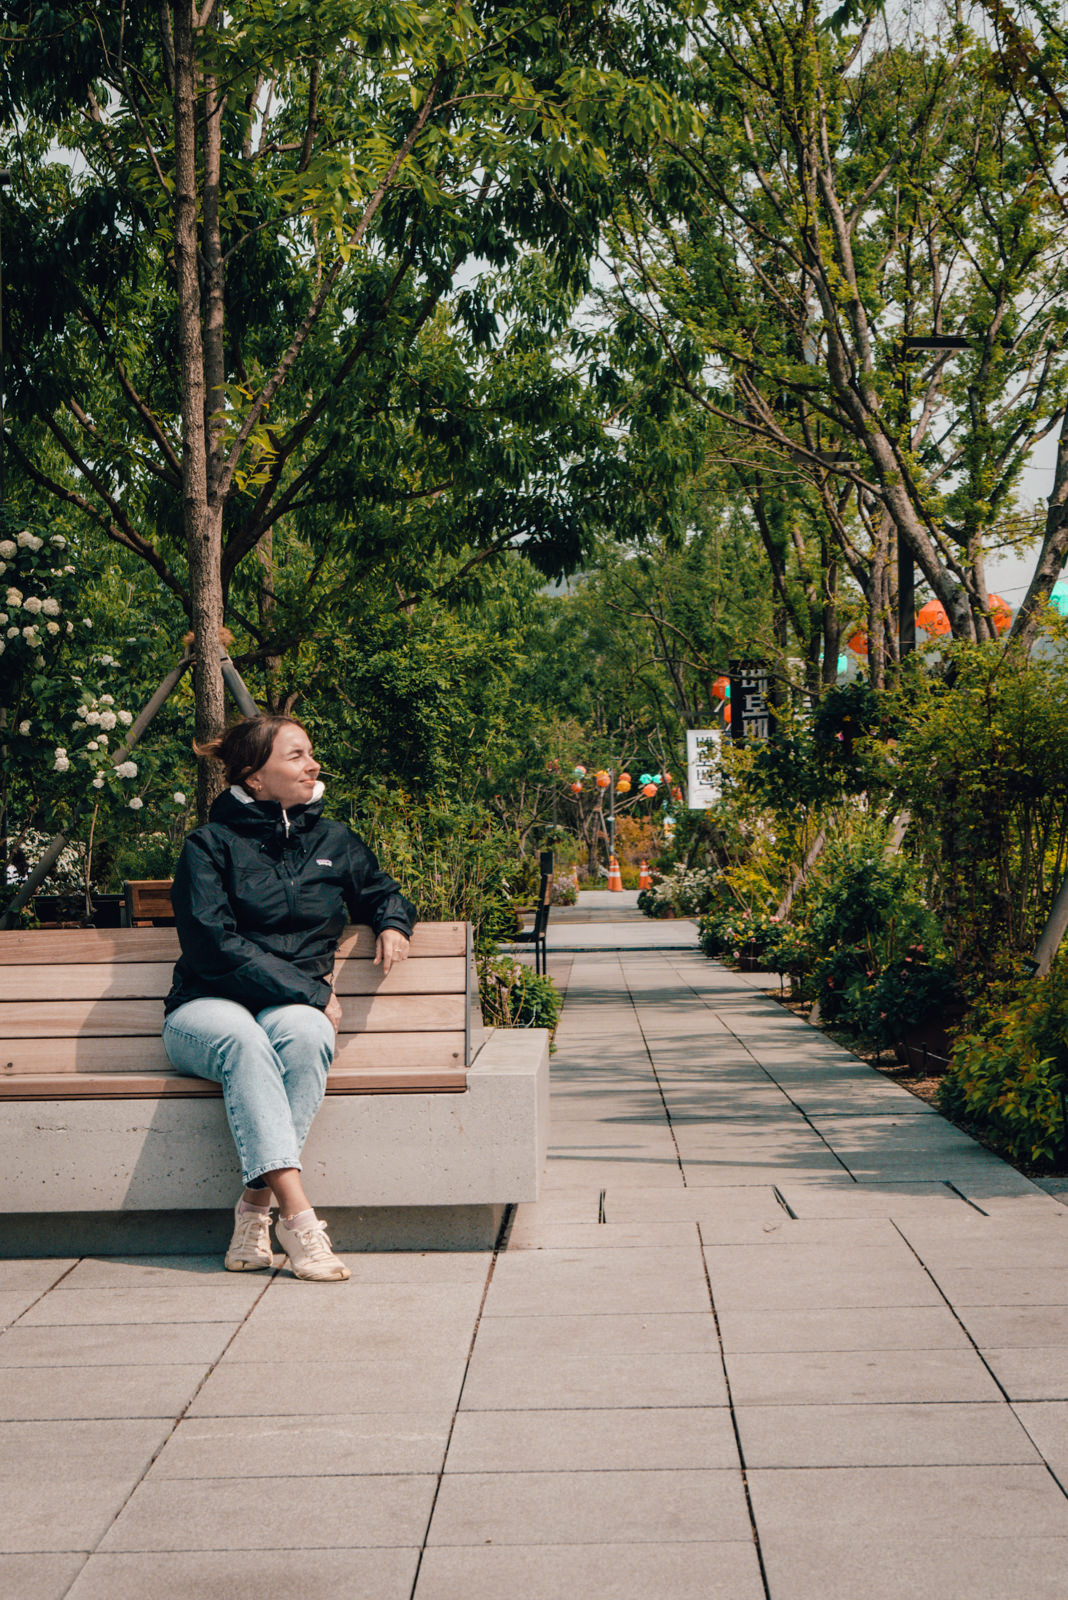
906	599
5	179
236	685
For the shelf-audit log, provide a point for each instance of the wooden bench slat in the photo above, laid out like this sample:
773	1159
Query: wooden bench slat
144	1086
149	980
122	1056
32	946
61	1019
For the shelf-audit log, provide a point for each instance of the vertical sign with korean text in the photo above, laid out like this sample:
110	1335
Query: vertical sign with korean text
749	701
702	767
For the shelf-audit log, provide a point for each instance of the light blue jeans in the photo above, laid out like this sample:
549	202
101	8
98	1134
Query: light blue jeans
272	1067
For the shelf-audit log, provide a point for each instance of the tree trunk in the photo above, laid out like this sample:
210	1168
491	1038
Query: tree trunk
202	521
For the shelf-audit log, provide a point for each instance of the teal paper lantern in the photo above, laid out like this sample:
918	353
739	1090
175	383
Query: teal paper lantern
843	664
1059	598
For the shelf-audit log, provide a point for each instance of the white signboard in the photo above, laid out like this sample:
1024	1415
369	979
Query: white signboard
702	767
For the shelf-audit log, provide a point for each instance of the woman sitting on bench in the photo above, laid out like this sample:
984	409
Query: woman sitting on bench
260	898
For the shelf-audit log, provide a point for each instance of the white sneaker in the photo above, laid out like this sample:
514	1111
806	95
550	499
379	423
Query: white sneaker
309	1252
250	1247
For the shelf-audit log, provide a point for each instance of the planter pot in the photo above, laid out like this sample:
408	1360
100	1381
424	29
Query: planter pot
68	910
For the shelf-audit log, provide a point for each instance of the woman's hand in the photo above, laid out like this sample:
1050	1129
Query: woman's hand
332	1012
391	945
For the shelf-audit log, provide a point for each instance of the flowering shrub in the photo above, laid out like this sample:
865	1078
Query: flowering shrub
687	891
738	932
513	995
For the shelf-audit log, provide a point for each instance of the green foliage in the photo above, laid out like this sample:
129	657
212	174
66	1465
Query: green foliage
739	932
1009	1075
513	995
982	766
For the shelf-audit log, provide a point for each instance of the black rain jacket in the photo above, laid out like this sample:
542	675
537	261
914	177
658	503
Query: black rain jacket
260	905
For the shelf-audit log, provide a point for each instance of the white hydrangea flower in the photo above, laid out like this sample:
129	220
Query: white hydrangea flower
136	803
70	627
3	646
12	633
179	798
50	607
108	719
30	634
92	745
3	566
27	540
52	627
61	764
98	781
32	604
68	569
92	717
14	598
87	622
24	728
127	769
58	540
125	717
3	618
7	549
83	711
107	699
103	738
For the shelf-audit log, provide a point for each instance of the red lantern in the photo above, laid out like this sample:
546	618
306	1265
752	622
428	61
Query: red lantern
602	780
932	618
727	716
858	642
720	688
1000	615
649	789
576	788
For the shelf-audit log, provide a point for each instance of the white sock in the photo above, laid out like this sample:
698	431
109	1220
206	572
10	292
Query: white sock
247	1205
302	1219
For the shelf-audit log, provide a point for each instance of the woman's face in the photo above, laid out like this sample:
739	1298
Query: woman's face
289	773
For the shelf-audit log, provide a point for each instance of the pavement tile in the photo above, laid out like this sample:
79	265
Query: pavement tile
1046	1422
843	1376
648	1439
378	1574
752	1202
1037	1373
929	1434
929	1533
245	1389
325	1513
813	1277
19	1275
38	1577
1025	1327
861	1329
97	1393
62	1483
566	1170
589	1508
323	1446
529	1232
228	1300
586	1281
557	1337
1002	1286
13	1302
113	1344
374	1337
849	1234
722	1571
507	1382
142	1272
409	1266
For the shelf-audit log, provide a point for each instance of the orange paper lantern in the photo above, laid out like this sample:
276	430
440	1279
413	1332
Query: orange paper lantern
576	788
649	789
1000	615
720	687
858	643
932	618
602	780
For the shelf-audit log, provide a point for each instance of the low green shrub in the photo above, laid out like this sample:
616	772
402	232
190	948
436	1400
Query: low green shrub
513	995
686	891
1009	1072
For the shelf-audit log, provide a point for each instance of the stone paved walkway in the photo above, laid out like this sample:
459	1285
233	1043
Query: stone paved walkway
775	1329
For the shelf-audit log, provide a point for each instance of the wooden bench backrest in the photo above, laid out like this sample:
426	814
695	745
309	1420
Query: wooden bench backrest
81	1013
148	902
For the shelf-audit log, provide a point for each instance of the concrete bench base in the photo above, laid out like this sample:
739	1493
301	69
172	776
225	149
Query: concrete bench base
467	1155
184	1233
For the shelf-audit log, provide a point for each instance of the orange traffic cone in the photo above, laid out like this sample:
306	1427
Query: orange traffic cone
645	877
615	877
